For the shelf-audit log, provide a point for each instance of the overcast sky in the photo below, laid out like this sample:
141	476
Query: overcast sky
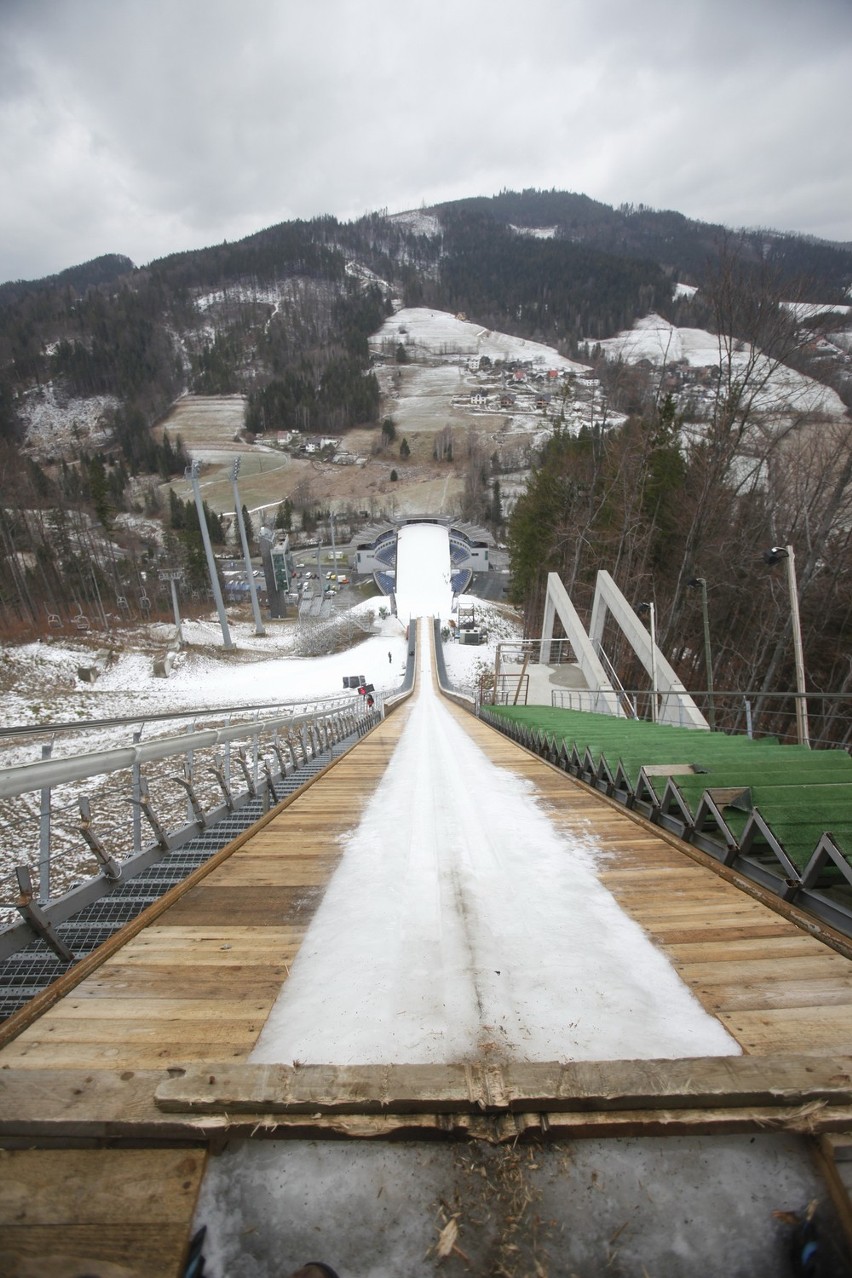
148	126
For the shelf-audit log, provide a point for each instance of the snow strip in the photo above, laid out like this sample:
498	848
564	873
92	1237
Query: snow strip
460	924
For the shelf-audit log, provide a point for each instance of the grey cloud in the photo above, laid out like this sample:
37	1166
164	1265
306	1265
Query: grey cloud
148	127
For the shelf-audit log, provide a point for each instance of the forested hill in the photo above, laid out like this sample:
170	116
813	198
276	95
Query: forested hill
682	247
101	270
284	315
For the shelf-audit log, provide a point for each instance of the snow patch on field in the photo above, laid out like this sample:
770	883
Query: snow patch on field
536	232
440	334
812	310
785	390
418	222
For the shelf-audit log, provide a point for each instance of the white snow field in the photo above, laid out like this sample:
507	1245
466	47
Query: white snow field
783	390
461	923
441	335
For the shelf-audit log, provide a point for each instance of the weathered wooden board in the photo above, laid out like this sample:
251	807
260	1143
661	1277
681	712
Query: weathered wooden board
149	1184
814	1029
733	950
505	1126
758	995
130	1010
154	1053
105	1211
98	1102
261	980
788	969
67	1250
718	930
65	1030
586	1085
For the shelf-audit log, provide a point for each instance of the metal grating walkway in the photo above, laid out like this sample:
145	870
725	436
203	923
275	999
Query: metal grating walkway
32	969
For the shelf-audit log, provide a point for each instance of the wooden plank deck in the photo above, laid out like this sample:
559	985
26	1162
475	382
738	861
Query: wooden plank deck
773	985
195	987
108	1212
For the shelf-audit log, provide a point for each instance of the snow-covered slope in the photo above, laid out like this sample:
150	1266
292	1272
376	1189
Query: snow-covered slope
655	339
439	334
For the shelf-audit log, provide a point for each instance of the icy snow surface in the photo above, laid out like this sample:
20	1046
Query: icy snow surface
423	585
460	923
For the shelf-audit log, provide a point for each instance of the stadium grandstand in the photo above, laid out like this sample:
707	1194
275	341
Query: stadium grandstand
376	551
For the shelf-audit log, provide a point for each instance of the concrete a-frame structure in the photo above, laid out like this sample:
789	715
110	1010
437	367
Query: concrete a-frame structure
675	704
602	697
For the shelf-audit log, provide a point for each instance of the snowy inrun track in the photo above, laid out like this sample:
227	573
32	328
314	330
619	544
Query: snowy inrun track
462	924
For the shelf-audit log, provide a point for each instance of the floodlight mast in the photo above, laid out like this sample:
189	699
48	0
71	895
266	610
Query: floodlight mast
649	608
192	475
701	583
238	509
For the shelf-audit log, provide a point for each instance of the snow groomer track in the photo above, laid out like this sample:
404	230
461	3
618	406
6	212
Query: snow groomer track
434	1013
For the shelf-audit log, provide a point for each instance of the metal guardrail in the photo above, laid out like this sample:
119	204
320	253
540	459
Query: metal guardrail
449	689
70	838
289	709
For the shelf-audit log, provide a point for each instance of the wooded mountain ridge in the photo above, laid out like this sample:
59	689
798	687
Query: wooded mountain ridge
295	302
284	317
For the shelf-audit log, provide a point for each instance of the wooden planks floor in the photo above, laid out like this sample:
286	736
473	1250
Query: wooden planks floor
196	987
198	983
109	1212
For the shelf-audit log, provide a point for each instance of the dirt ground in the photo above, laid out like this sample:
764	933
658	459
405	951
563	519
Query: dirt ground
419	399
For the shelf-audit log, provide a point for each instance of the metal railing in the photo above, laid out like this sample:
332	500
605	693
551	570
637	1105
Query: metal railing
751	713
67	820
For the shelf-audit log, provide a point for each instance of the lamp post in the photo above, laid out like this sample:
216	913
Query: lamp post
700	582
649	608
773	556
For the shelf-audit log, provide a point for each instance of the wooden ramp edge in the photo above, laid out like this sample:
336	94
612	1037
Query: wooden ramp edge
191	979
111	1098
777	981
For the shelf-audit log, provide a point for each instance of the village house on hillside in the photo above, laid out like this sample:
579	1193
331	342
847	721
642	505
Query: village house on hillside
314	444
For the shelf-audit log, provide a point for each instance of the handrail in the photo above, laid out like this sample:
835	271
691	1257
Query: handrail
47	773
305	705
119	851
446	687
407	685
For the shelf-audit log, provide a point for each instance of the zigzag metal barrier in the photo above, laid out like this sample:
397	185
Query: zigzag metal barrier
823	888
284	753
